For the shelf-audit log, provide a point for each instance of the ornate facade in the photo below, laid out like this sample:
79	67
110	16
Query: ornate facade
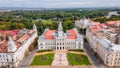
58	40
104	41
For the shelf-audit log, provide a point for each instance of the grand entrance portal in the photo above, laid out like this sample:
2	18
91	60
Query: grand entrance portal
60	48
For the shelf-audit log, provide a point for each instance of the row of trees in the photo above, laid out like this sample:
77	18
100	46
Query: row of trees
29	16
11	26
25	19
40	25
104	19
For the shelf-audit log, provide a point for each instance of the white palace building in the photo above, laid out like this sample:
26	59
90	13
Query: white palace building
58	40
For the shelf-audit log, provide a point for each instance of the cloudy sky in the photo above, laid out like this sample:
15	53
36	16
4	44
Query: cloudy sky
59	3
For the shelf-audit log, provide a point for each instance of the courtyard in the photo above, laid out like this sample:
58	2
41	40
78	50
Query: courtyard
60	58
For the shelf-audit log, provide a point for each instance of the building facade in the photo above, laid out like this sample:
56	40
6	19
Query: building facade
12	50
82	23
103	42
58	40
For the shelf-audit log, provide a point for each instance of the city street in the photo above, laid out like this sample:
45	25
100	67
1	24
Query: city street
93	59
25	63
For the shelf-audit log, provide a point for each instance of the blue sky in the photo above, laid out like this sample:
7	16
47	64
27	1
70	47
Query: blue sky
59	3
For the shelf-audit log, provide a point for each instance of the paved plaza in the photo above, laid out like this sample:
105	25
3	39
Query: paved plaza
60	59
82	66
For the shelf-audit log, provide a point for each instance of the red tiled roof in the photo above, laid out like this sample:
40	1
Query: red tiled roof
72	34
24	37
31	31
113	22
3	44
11	32
95	29
14	32
17	44
48	34
3	47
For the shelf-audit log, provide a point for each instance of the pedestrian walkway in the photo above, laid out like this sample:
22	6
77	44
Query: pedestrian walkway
74	52
42	53
60	59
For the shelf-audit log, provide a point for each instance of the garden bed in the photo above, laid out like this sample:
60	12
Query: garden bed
77	59
43	59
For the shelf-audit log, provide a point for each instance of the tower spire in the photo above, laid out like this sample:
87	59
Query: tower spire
60	27
60	32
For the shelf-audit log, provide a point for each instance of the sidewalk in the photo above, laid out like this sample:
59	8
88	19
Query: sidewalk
42	53
25	63
82	66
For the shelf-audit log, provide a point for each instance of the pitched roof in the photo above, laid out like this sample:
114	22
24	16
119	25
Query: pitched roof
11	32
3	47
24	37
49	34
113	22
71	34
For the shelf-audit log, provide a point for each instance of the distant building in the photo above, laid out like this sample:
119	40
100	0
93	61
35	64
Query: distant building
112	13
14	44
83	23
105	42
58	40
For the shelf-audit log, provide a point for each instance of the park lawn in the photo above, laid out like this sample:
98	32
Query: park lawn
43	59
47	21
77	59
